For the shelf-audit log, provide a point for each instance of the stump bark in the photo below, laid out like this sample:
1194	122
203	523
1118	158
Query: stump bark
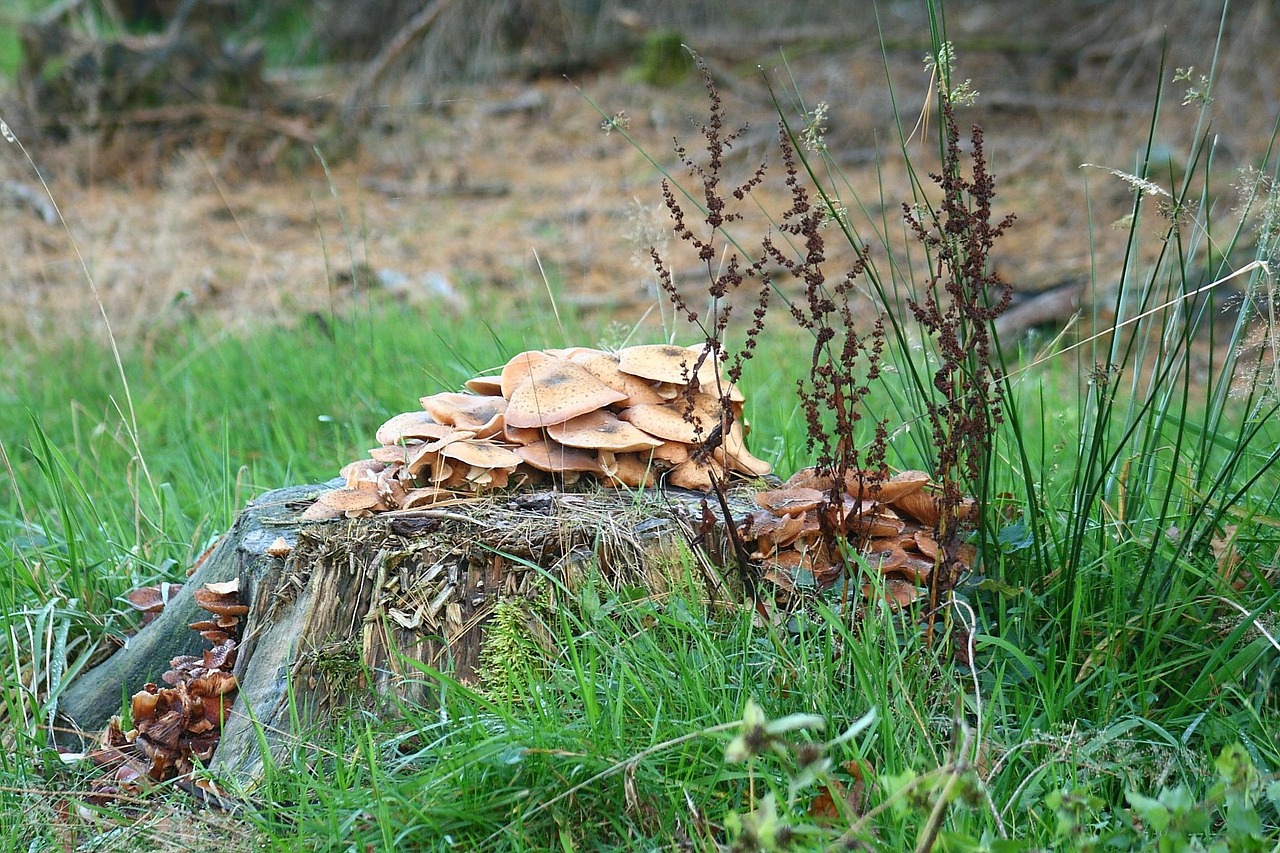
361	611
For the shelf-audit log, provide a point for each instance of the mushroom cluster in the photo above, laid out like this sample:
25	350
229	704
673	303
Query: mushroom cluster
624	418
174	725
892	520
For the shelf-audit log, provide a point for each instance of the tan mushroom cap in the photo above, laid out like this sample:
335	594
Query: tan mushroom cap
658	362
481	454
518	368
669	421
280	547
554	457
347	500
604	366
710	379
390	487
694	475
893	489
793	501
734	450
393	454
489	386
150	599
634	470
523	435
770	531
572	352
555	391
410	425
884	523
220	603
898	591
424	497
601	430
483	415
319	512
671	453
885	555
361	472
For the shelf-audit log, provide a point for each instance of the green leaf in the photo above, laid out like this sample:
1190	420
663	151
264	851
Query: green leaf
1243	823
1178	800
959	842
1153	813
1015	537
1234	765
1273	794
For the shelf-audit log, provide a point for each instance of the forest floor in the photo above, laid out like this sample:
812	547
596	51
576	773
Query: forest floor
493	192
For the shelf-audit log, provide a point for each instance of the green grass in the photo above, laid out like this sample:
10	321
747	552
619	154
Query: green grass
1125	626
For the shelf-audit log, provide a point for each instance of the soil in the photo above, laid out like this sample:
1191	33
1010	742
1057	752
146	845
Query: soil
505	192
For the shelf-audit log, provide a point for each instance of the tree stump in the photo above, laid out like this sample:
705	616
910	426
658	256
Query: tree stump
357	608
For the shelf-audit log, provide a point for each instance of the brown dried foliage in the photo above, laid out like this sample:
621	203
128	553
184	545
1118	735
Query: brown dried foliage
961	299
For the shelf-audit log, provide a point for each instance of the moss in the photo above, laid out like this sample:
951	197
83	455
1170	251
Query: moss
510	656
338	666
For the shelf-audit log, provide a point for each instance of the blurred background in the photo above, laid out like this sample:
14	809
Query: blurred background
244	161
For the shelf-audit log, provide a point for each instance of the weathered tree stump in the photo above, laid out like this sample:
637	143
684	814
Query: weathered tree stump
357	608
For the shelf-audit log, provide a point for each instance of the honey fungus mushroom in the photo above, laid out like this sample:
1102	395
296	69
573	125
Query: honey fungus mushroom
479	414
624	419
489	464
688	423
605	367
554	391
602	430
555	458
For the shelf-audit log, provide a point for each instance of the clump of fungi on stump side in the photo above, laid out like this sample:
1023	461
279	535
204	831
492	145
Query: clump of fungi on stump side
890	521
624	419
174	726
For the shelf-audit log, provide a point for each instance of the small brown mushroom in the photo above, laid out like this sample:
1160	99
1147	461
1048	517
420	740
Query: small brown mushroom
555	391
695	475
887	491
410	425
771	532
658	363
675	421
792	501
601	430
360	472
518	369
427	496
490	386
555	458
874	525
481	454
220	604
523	435
481	415
604	366
633	470
152	599
393	454
319	512
885	555
897	591
348	500
671	453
